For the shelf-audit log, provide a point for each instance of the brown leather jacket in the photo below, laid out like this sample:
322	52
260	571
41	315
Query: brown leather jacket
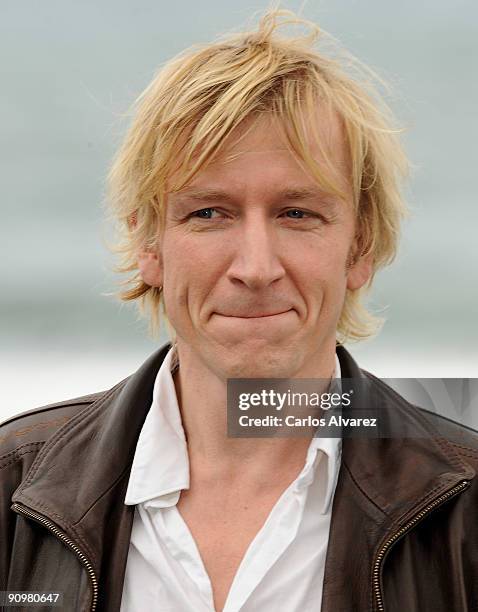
404	532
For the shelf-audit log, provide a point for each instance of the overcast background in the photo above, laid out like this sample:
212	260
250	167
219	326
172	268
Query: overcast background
69	72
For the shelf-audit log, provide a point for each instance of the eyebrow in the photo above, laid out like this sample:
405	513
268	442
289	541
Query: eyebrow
289	193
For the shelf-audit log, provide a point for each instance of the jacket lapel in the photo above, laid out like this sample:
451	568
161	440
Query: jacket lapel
79	478
383	482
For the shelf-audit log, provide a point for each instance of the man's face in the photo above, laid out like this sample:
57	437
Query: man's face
254	258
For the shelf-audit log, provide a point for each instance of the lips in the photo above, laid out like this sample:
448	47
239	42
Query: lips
260	314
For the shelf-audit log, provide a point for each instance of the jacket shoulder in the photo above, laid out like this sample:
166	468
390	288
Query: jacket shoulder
463	439
32	428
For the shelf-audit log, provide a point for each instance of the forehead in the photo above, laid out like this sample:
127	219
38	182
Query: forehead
323	134
259	148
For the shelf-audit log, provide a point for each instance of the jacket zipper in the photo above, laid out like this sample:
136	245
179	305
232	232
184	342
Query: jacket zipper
64	538
377	568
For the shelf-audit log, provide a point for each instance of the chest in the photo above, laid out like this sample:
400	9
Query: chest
223	530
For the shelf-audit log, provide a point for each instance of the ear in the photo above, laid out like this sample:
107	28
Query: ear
150	268
359	272
149	264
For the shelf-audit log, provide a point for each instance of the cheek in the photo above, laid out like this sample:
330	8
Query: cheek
321	260
320	273
190	268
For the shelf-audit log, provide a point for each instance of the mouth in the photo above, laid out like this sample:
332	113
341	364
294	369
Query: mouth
258	315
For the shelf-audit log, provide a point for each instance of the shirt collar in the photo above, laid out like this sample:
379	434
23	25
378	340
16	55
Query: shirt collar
324	454
160	468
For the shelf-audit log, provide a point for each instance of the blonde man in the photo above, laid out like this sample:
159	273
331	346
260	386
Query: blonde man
257	194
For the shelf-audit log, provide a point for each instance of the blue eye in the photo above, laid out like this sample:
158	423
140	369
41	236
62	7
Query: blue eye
295	213
204	213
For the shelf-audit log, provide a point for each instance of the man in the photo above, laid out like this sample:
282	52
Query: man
257	189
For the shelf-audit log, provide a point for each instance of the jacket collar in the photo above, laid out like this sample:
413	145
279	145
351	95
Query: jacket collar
79	478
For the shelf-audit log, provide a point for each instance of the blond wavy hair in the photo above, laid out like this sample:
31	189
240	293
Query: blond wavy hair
184	116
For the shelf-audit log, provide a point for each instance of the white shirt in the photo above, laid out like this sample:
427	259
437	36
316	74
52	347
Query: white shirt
283	568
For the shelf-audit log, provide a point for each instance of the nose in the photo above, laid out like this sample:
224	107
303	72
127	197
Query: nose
256	262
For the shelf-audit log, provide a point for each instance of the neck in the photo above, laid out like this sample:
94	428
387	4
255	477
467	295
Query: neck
202	398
